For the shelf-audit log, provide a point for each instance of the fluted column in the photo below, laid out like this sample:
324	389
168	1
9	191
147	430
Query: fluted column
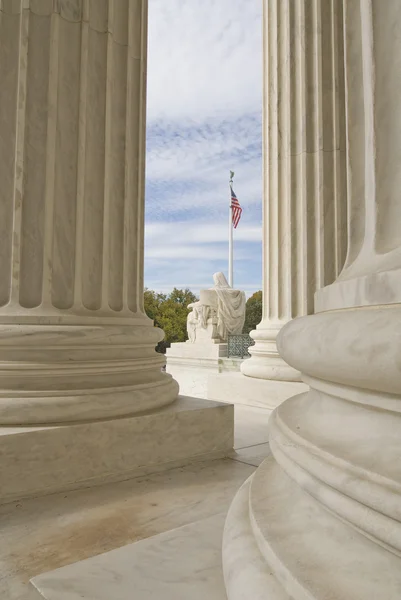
323	513
304	199
372	272
75	343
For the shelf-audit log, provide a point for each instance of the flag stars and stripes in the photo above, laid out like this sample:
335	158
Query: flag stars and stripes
236	209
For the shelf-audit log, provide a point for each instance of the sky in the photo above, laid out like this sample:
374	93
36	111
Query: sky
203	120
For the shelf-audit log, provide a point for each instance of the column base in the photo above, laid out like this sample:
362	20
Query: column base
265	361
281	544
70	371
236	388
42	460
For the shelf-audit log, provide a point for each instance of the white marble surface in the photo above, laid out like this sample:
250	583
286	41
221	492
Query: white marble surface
176	565
44	534
250	426
279	543
368	290
193	374
246	573
49	459
252	455
308	549
237	388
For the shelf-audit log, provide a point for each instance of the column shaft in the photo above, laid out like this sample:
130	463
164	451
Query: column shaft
304	201
372	272
75	342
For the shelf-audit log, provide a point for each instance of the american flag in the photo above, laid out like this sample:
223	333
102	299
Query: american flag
236	209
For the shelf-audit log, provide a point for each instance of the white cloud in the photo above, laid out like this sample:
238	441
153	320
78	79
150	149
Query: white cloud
180	232
204	58
204	118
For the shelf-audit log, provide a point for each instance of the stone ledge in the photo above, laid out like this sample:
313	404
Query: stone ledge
42	460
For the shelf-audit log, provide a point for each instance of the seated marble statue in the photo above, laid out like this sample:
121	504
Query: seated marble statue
220	311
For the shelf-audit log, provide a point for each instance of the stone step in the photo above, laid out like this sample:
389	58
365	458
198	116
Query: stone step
181	564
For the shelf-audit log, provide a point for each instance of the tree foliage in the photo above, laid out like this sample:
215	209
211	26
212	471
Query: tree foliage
253	315
169	312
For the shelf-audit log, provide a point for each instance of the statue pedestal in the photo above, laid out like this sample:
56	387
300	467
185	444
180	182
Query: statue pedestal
210	349
219	312
192	365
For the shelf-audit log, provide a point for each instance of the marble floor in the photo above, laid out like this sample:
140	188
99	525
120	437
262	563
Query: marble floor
186	505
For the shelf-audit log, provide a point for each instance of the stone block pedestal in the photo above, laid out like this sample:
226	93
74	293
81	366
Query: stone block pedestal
43	460
191	365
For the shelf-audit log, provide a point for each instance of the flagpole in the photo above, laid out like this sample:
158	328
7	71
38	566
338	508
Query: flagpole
230	238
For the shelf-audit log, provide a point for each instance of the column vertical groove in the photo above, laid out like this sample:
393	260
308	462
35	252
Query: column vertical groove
265	165
81	157
317	144
93	218
285	241
118	143
272	134
142	155
368	65
134	149
51	152
300	202
106	257
339	157
19	156
10	33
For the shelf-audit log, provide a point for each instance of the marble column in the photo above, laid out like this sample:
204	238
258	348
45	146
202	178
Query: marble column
75	343
321	518
304	199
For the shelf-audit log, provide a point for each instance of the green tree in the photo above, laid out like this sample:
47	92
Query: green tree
152	302
169	312
253	314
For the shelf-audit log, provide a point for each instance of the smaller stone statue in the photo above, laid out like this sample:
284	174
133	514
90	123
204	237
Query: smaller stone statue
196	318
220	311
